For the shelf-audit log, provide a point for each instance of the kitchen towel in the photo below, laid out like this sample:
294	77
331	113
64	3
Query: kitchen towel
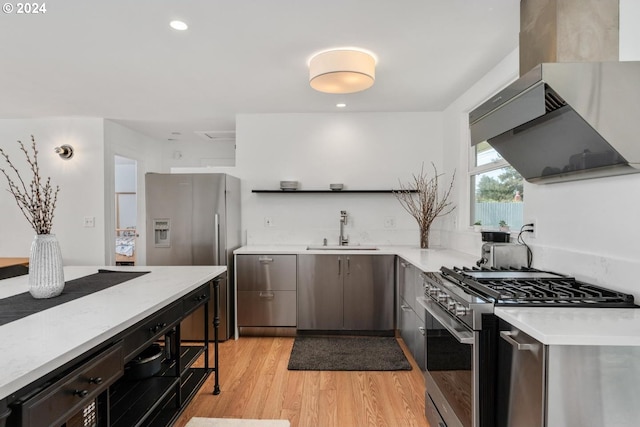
342	353
235	422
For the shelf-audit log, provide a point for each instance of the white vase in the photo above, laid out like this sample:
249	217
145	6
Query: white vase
46	277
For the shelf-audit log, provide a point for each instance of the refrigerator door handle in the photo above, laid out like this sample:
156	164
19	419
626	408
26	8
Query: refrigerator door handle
216	237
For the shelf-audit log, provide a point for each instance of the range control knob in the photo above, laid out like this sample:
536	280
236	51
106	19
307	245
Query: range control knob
442	297
433	290
452	305
460	310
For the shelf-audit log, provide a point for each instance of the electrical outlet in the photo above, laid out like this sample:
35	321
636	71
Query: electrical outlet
390	222
268	222
89	221
533	228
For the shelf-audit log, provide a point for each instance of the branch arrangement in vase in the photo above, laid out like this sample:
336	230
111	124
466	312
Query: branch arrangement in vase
425	204
36	200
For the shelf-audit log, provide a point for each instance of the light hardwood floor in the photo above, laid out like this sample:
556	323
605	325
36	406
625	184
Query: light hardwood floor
255	383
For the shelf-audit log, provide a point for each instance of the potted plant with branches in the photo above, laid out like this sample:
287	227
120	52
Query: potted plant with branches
37	200
421	197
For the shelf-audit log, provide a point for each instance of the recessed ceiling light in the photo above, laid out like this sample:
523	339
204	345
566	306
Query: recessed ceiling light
178	25
341	105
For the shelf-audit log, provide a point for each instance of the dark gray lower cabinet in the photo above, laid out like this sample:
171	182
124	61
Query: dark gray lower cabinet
411	324
346	292
412	331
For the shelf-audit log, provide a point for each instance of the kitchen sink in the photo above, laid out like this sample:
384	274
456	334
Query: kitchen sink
341	248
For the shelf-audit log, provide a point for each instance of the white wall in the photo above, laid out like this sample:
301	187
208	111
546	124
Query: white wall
456	151
219	152
629	31
81	180
122	141
363	151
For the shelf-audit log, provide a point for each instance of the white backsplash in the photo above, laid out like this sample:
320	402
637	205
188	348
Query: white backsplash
290	236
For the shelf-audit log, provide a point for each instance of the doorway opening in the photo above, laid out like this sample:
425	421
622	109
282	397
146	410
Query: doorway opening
126	210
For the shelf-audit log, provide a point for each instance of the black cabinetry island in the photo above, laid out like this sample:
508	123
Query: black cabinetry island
90	346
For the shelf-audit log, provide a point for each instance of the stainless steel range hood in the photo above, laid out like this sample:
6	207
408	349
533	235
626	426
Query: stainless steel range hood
566	121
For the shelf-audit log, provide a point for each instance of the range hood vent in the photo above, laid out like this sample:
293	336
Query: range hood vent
573	115
566	121
552	100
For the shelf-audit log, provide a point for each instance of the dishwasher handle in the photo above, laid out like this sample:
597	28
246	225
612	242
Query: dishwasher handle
509	336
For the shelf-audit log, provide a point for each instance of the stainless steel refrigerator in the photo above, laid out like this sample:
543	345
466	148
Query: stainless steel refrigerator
194	219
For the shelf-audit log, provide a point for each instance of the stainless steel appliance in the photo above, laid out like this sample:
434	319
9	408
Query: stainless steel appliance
565	385
499	255
463	335
458	332
194	219
565	121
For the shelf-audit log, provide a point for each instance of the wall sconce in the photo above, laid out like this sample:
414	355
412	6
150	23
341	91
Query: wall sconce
64	151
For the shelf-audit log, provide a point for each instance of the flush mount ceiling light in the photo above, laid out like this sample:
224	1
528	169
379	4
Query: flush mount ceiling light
342	71
178	25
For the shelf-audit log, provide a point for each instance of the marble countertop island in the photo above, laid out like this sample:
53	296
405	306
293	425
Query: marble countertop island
35	345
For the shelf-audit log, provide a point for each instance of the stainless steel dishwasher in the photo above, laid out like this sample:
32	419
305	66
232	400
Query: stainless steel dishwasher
521	380
266	294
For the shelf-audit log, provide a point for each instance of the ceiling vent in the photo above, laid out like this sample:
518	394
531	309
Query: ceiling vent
216	135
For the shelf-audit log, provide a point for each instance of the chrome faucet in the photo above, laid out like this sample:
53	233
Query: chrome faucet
343	240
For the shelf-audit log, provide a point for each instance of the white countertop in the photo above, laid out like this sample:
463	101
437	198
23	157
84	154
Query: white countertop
37	344
425	259
576	326
550	325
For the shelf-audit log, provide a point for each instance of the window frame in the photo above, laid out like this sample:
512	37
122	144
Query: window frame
474	170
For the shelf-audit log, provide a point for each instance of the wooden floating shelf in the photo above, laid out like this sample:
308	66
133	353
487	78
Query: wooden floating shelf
327	191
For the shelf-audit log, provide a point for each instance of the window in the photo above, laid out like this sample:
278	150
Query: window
496	189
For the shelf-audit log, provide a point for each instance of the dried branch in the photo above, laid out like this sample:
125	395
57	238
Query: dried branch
425	204
37	202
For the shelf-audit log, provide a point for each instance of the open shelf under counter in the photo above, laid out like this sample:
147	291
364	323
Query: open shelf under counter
152	401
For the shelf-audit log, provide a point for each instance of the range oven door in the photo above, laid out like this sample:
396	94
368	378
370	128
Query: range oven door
451	368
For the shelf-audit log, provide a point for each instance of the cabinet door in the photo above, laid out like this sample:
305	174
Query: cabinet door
412	332
320	299
368	292
266	272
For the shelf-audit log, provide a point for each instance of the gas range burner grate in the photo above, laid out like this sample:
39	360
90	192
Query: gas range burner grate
533	287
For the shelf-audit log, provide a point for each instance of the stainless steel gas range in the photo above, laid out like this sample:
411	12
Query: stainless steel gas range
462	334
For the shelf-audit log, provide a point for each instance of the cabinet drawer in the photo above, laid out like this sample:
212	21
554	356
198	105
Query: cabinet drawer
196	298
266	272
407	275
150	329
55	404
266	308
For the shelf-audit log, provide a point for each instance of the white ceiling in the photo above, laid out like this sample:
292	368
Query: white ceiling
118	59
